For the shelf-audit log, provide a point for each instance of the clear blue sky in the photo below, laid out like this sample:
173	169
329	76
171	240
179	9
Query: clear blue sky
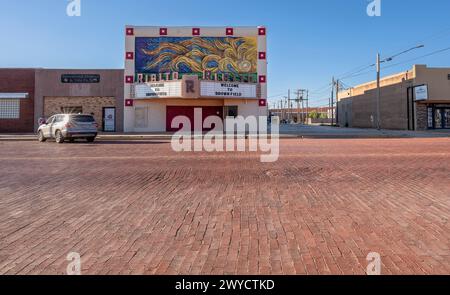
309	40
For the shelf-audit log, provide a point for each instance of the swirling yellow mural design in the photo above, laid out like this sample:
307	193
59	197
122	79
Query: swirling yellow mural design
217	55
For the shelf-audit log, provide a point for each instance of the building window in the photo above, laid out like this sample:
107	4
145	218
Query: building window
430	118
9	108
231	111
141	117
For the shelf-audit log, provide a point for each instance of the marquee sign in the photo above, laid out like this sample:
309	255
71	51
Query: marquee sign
158	90
225	89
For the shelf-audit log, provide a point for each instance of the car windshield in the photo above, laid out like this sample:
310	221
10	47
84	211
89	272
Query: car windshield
83	119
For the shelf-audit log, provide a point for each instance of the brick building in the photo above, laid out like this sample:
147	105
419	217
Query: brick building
96	92
17	88
418	99
26	95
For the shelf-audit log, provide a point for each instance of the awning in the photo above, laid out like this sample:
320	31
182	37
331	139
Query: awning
4	95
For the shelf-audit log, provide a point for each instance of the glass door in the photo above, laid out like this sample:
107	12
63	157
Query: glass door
446	118
437	119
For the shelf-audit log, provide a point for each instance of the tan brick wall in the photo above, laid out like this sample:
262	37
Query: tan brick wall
95	105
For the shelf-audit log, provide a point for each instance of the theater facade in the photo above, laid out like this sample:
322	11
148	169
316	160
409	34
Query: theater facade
170	71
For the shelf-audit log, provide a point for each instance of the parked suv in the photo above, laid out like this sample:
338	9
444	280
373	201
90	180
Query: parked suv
68	127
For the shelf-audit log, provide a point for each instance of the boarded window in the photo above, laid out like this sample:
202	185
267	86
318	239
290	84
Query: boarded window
141	117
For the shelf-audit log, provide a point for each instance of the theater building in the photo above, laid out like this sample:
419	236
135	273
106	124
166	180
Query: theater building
418	99
170	71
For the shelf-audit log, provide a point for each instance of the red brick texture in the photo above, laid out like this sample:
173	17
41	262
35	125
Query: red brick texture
140	208
19	81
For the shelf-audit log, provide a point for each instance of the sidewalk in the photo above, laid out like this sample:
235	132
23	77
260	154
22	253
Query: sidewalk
286	132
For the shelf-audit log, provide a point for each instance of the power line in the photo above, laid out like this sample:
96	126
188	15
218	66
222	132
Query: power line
420	57
277	95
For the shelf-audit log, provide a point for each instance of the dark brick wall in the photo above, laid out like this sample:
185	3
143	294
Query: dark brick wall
19	80
422	116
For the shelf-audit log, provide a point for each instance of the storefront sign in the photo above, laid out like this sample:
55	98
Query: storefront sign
80	78
421	92
231	90
158	90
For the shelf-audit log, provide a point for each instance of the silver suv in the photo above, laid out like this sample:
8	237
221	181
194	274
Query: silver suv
70	127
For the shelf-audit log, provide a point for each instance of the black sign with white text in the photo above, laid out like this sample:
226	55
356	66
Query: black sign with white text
80	78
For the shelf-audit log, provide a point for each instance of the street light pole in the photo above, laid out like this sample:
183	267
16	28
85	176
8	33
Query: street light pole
378	65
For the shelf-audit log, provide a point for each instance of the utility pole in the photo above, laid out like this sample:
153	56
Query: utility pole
298	106
289	106
378	91
307	106
332	101
301	104
337	102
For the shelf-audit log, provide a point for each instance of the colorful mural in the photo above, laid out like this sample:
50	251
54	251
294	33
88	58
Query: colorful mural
194	55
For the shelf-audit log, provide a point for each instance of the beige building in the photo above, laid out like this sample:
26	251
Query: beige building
418	99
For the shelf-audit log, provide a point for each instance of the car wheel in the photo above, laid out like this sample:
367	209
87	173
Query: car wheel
41	137
59	137
90	139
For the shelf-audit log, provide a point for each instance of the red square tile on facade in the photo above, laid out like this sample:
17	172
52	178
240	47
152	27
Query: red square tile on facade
229	32
262	79
130	55
163	31
130	32
262	55
262	103
196	31
262	31
129	79
129	102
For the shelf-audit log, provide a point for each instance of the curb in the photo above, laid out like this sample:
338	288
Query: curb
282	136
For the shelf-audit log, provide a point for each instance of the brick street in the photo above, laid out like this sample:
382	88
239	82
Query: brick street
140	208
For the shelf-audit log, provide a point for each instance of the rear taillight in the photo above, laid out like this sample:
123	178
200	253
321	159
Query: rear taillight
68	125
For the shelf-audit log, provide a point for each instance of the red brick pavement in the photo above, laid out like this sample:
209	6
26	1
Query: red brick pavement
140	208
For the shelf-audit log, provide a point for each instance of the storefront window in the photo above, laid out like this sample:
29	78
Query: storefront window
430	118
446	118
9	108
438	119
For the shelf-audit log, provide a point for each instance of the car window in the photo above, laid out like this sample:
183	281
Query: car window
83	119
50	120
59	119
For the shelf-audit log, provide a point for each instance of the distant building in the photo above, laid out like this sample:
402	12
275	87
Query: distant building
301	114
418	99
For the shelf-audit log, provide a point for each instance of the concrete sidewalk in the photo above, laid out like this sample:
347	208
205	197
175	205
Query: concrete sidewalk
311	131
286	132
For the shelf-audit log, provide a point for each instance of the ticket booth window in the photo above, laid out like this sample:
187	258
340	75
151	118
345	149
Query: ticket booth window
231	111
